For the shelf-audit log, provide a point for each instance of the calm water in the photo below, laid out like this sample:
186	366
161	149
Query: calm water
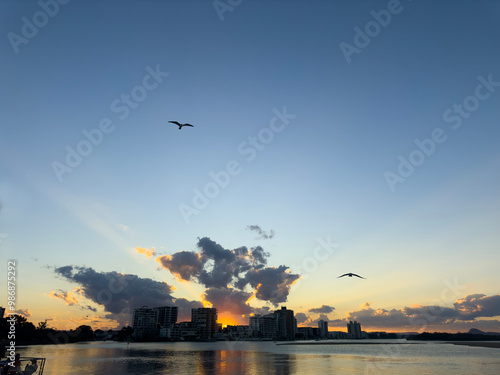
256	358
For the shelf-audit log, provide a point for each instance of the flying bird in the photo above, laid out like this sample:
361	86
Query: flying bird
180	125
351	275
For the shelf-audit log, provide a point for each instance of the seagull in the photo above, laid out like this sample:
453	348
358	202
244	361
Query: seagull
180	125
351	275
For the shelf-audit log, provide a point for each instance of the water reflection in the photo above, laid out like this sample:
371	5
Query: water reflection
258	359
209	362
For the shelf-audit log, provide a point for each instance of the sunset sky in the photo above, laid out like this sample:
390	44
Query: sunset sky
329	137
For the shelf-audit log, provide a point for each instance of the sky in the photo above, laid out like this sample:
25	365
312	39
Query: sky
328	137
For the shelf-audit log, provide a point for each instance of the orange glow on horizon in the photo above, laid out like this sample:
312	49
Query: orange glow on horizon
227	321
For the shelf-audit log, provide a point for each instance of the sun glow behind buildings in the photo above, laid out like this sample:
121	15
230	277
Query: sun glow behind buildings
226	321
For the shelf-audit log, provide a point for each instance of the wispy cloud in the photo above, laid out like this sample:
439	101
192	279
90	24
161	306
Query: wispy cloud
325	309
24	312
147	253
68	297
262	235
124	227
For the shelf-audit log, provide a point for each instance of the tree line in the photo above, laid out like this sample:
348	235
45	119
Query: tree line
27	333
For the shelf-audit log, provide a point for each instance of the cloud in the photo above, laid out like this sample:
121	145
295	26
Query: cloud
184	265
409	318
229	300
124	227
302	318
226	272
478	305
119	293
184	308
469	309
231	279
68	297
325	309
96	322
271	284
264	310
323	317
262	234
24	312
88	307
147	253
307	321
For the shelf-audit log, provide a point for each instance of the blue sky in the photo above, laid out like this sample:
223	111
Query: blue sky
324	175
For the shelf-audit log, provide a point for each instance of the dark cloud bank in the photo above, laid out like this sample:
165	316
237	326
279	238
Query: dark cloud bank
120	294
230	277
466	312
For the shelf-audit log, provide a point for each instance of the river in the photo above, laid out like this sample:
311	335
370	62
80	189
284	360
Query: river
263	358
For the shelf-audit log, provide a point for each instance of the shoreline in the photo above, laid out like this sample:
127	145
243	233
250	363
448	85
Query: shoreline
347	343
483	344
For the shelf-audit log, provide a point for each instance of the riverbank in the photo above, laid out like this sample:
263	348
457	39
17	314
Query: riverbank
254	357
484	344
350	342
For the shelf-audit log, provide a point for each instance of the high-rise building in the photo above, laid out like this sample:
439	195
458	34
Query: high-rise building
167	316
253	324
323	329
286	324
205	321
148	322
354	329
263	326
145	322
268	328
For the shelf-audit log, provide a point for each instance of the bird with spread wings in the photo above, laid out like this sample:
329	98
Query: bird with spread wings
180	125
351	275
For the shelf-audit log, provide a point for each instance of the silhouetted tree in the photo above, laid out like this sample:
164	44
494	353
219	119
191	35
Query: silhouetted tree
125	333
84	333
42	332
24	330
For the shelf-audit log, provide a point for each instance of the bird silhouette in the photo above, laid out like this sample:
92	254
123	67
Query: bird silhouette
180	125
351	275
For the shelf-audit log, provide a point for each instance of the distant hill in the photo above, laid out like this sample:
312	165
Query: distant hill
475	331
